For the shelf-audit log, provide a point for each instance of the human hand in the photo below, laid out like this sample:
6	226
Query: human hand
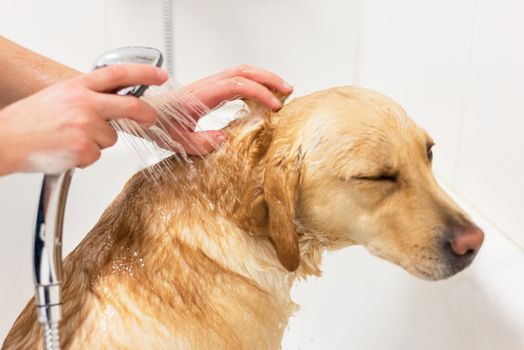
66	125
240	82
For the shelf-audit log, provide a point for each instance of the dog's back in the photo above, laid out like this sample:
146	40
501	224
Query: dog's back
157	269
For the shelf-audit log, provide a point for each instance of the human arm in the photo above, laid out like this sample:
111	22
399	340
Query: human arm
24	72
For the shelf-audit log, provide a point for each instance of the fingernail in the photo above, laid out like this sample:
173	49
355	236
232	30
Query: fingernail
161	74
287	86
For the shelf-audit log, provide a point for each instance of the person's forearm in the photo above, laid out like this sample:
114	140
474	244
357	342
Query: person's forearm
24	72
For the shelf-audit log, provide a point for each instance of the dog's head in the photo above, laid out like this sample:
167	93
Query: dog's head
348	166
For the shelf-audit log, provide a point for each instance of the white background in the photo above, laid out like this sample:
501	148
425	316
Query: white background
456	66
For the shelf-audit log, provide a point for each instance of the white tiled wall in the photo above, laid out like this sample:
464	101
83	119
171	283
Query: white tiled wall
456	66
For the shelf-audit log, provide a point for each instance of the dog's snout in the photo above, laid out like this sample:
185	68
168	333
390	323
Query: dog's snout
466	241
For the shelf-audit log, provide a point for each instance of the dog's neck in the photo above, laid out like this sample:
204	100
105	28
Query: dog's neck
218	188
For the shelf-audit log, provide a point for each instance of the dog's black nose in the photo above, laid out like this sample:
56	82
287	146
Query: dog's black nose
463	244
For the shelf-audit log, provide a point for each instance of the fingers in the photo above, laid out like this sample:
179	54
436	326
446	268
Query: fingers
87	152
104	135
261	76
199	143
240	86
111	106
88	137
87	144
219	91
121	75
241	82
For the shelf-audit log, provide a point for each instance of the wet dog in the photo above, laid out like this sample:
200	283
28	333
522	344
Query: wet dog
203	256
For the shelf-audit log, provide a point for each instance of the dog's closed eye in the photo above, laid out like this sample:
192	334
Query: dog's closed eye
383	177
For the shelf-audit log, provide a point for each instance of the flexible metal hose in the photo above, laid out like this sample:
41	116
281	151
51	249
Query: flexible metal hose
167	16
51	336
47	255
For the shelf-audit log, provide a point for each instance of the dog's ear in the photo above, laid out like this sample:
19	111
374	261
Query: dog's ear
268	203
270	198
281	184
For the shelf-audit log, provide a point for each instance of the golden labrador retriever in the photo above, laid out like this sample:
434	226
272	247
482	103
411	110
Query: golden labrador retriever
207	261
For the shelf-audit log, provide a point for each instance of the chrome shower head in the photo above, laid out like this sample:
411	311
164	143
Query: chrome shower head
131	54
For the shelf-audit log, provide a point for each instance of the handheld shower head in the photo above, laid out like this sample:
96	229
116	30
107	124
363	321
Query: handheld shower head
47	253
131	54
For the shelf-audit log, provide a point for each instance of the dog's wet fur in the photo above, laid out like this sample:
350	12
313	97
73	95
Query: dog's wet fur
207	261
